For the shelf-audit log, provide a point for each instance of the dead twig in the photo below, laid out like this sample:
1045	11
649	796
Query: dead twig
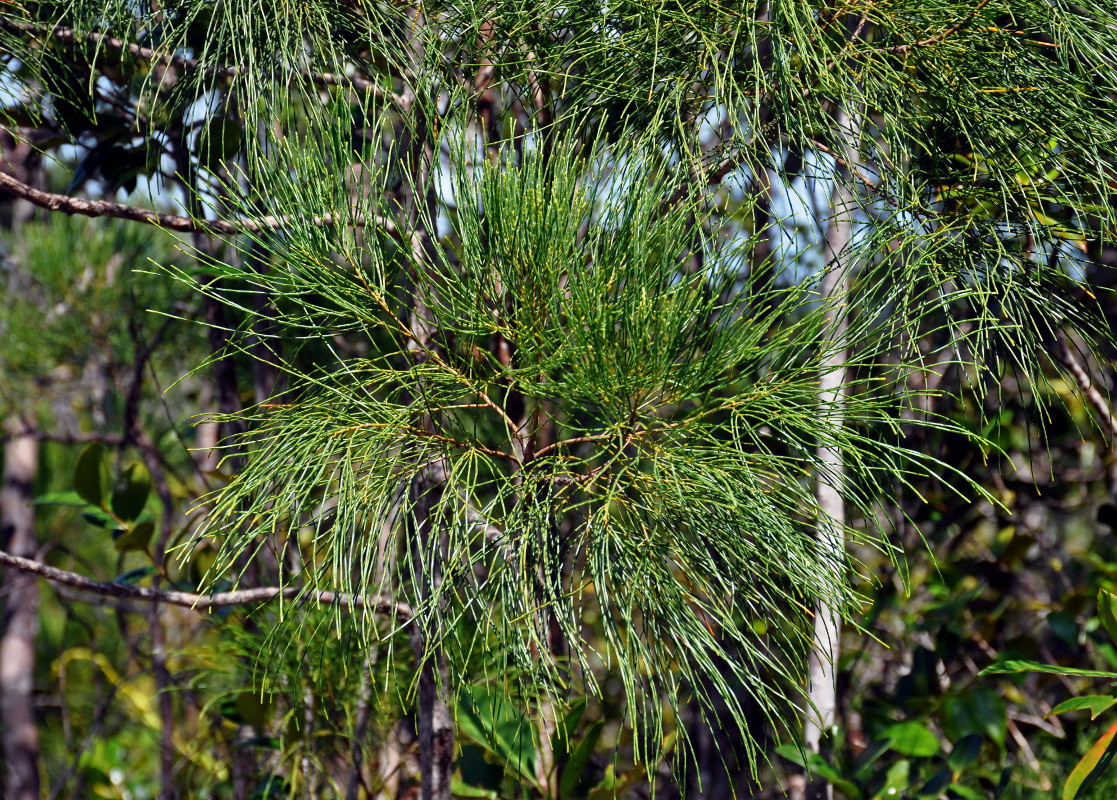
104	208
205	602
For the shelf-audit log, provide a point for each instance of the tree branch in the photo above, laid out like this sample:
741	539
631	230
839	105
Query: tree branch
900	49
1067	357
104	208
204	602
184	64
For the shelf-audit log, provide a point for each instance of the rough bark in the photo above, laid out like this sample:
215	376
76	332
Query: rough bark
435	722
17	647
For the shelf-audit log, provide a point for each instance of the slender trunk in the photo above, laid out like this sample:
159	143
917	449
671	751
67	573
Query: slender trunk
823	660
435	722
230	457
435	726
360	730
17	648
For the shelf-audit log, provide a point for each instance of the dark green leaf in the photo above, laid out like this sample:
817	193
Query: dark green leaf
135	539
491	721
560	742
965	752
572	772
611	787
981	711
867	757
130	493
99	517
265	742
134	576
936	784
87	474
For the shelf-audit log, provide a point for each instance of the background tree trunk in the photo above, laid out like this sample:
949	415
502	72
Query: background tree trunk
823	663
17	647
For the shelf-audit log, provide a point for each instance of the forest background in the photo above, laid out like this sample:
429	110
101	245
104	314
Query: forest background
778	175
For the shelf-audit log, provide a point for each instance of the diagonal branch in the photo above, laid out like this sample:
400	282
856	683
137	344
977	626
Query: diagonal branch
204	602
104	208
185	64
900	49
1067	357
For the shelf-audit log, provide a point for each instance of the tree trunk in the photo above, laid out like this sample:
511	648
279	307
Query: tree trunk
435	721
823	660
17	648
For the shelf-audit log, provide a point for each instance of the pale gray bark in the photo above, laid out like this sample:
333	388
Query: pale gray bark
823	659
17	647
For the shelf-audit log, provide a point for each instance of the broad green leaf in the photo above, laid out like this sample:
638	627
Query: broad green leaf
912	739
87	474
965	752
866	758
967	792
1013	666
560	741
816	765
1091	766
135	539
494	723
1096	703
95	515
129	495
936	784
981	711
458	788
896	780
1107	613
60	499
572	772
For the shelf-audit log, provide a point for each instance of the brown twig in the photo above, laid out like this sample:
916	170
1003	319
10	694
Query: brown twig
1067	357
872	187
900	49
104	208
204	602
184	64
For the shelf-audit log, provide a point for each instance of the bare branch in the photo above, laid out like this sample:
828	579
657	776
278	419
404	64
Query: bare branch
184	64
204	602
104	208
1067	357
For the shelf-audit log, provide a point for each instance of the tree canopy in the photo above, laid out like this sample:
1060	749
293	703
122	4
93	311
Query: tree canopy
588	343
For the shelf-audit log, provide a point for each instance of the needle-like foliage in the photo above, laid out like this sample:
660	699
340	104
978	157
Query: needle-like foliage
549	383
